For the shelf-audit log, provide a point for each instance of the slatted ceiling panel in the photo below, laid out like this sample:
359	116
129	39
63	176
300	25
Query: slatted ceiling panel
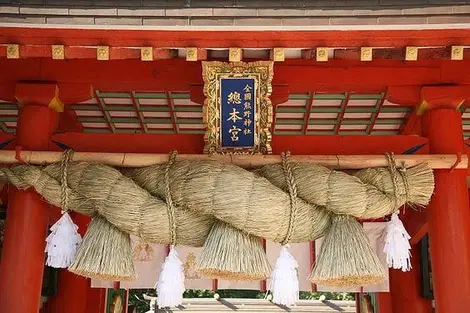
84	113
195	115
8	112
303	114
352	127
146	102
290	115
95	125
326	102
387	127
156	114
319	115
293	103
321	127
289	127
160	126
8	116
395	115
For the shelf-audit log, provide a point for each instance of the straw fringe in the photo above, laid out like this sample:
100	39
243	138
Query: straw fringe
346	257
233	255
105	253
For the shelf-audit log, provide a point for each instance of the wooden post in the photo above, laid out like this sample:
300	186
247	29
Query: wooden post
448	213
405	288
22	266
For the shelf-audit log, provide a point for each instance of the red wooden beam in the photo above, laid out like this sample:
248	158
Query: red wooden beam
156	143
226	39
300	76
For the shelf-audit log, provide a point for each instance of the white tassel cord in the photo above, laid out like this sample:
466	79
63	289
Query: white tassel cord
284	279
62	243
170	285
397	245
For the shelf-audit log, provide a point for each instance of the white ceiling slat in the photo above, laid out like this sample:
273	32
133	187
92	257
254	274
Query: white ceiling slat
153	101
326	102
362	102
387	126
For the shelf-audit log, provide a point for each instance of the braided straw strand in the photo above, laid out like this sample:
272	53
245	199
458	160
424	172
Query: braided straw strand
169	201
64	190
292	188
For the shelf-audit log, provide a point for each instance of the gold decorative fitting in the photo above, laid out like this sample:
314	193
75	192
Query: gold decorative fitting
411	54
191	54
102	53
457	52
322	54
262	74
58	52
366	54
235	55
146	53
277	54
13	51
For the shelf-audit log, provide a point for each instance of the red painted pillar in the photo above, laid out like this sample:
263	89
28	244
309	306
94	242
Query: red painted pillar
72	290
448	213
384	302
405	288
21	270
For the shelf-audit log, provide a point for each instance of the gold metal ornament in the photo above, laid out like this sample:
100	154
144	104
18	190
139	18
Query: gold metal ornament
366	54
457	52
213	73
102	53
322	54
146	53
191	54
277	54
411	54
58	52
13	51
235	54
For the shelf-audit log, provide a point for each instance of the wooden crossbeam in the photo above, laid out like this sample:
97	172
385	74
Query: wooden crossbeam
435	161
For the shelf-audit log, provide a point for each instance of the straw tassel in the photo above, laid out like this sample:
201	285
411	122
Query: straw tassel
62	243
284	279
170	285
397	245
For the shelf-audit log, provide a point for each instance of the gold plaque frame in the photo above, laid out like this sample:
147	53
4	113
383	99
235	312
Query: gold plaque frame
212	73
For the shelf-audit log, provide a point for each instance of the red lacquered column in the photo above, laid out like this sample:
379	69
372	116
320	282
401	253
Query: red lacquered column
448	213
22	263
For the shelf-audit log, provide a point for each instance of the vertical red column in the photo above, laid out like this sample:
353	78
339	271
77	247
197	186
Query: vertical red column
405	288
22	263
448	213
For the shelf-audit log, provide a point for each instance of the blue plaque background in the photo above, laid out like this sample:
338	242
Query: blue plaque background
237	128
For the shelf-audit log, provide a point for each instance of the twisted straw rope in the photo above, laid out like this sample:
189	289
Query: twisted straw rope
394	173
64	190
169	201
292	188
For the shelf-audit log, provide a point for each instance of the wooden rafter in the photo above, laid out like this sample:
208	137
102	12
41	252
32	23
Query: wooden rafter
139	114
340	117
375	115
105	113
308	111
171	109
